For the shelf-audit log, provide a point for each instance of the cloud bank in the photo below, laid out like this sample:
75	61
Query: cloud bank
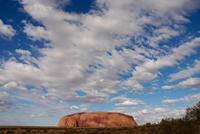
116	46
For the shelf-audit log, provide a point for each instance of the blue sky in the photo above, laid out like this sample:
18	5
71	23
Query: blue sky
59	57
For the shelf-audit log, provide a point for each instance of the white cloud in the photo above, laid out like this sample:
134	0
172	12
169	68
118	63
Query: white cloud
87	38
189	83
37	32
6	103
155	115
170	101
167	87
6	30
188	98
124	101
145	111
129	103
74	107
14	86
149	70
78	58
186	72
79	108
161	110
23	52
26	57
22	74
120	110
162	34
88	98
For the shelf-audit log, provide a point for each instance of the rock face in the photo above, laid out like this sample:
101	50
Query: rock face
97	119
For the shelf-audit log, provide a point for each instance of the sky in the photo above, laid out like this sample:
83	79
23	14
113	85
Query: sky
59	57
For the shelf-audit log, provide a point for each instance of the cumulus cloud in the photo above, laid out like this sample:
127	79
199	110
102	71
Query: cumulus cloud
164	33
6	30
6	103
155	115
79	108
87	38
23	52
14	86
149	70
129	103
188	83
91	52
170	101
37	32
74	107
26	57
161	110
88	98
185	73
22	74
167	87
124	101
120	110
191	83
188	98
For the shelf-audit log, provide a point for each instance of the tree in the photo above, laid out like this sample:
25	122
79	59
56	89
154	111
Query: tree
193	113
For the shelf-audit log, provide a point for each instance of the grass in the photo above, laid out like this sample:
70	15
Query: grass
56	130
165	127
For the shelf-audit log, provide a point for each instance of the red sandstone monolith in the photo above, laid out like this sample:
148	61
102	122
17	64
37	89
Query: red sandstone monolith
97	119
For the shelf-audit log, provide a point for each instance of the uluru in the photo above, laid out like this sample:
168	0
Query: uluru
97	119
